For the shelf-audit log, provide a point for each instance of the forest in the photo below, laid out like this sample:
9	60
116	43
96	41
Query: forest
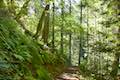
59	39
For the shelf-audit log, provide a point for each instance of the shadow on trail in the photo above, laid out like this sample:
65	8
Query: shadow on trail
71	73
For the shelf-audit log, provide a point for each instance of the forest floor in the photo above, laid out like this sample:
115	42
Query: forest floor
71	73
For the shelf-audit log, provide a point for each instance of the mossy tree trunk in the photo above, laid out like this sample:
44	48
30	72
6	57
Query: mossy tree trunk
43	25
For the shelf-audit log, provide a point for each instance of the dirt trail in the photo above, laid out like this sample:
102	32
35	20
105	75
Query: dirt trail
71	73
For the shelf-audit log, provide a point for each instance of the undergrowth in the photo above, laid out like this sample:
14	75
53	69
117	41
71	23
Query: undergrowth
21	58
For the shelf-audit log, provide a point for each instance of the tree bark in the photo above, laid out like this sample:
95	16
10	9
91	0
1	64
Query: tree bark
43	25
53	28
80	42
70	36
62	16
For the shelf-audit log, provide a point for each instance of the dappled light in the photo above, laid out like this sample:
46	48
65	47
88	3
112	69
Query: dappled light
59	39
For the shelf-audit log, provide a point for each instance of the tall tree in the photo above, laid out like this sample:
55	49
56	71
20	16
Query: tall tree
70	35
43	25
62	24
53	28
45	32
115	67
80	37
87	31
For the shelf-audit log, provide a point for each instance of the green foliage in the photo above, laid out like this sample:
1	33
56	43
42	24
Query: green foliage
17	50
2	5
22	58
43	74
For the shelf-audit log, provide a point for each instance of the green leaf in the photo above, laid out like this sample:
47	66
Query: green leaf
19	57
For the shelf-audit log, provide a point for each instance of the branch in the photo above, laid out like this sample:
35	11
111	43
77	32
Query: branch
19	15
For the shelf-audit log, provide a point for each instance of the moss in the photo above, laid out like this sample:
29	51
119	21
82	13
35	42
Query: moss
25	60
20	50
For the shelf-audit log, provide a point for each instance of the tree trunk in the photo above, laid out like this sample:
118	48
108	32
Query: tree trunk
70	35
45	32
80	42
43	25
62	16
116	63
53	30
70	38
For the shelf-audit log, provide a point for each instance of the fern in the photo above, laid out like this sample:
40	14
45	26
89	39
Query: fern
17	51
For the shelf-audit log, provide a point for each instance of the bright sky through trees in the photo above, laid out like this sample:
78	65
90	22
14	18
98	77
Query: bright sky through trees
59	40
